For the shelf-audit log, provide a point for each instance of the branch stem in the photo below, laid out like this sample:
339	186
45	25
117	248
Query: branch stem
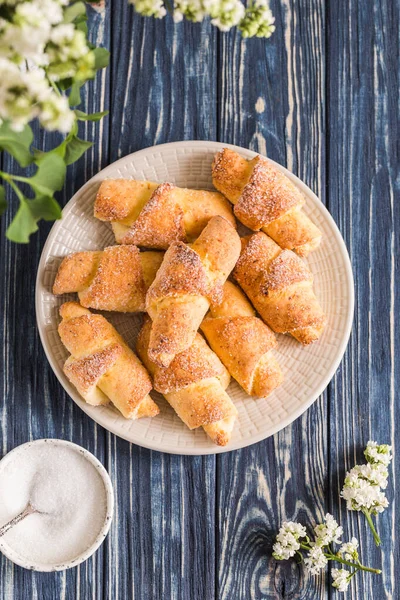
372	527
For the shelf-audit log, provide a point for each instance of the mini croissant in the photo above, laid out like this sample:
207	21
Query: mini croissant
243	342
194	385
156	215
266	199
188	279
116	278
101	366
280	286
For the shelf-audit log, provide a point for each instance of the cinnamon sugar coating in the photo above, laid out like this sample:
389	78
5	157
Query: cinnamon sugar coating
115	279
101	365
194	385
280	286
266	199
153	215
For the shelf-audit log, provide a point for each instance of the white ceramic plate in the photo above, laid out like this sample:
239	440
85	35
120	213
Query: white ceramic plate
307	371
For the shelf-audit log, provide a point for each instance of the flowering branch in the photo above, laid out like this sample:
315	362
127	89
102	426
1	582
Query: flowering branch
255	20
363	485
292	538
45	58
362	491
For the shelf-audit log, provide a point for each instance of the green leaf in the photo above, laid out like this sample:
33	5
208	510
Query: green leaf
65	84
22	225
75	149
50	175
75	94
45	207
101	58
81	25
17	143
73	11
82	116
3	201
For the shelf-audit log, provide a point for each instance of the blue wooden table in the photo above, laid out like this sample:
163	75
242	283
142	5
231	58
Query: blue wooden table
320	97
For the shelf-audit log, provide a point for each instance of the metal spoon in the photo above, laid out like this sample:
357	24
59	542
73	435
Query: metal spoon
29	510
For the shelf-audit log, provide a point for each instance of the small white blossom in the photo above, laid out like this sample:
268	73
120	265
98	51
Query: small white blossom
349	550
258	20
225	13
287	541
150	8
363	493
56	114
315	560
328	532
193	10
378	454
341	579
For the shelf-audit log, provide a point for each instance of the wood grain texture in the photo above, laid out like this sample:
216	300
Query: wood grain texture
363	187
320	97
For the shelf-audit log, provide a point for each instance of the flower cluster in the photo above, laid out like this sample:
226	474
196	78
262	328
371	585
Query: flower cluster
340	579
362	491
363	484
258	20
287	541
292	539
45	58
39	47
255	20
328	532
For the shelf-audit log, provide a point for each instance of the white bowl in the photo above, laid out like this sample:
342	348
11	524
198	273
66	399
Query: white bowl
8	551
307	371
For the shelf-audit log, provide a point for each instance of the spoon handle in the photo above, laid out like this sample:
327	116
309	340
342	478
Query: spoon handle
26	512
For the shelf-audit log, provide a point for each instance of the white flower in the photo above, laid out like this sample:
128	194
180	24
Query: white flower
56	114
225	13
258	20
363	493
315	560
341	579
25	95
193	10
349	550
150	8
378	454
328	532
287	541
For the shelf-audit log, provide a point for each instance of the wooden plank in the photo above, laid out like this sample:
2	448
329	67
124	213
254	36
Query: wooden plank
33	405
363	183
163	89
273	101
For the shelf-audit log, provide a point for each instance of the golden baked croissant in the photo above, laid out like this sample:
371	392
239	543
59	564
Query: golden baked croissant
243	342
266	199
280	285
194	384
101	366
155	215
114	279
188	279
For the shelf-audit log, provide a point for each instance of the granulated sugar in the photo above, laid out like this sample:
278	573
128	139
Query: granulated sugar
60	482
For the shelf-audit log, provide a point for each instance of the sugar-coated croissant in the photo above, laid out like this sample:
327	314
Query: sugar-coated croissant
243	342
266	199
155	215
194	384
101	366
188	279
280	285
115	279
